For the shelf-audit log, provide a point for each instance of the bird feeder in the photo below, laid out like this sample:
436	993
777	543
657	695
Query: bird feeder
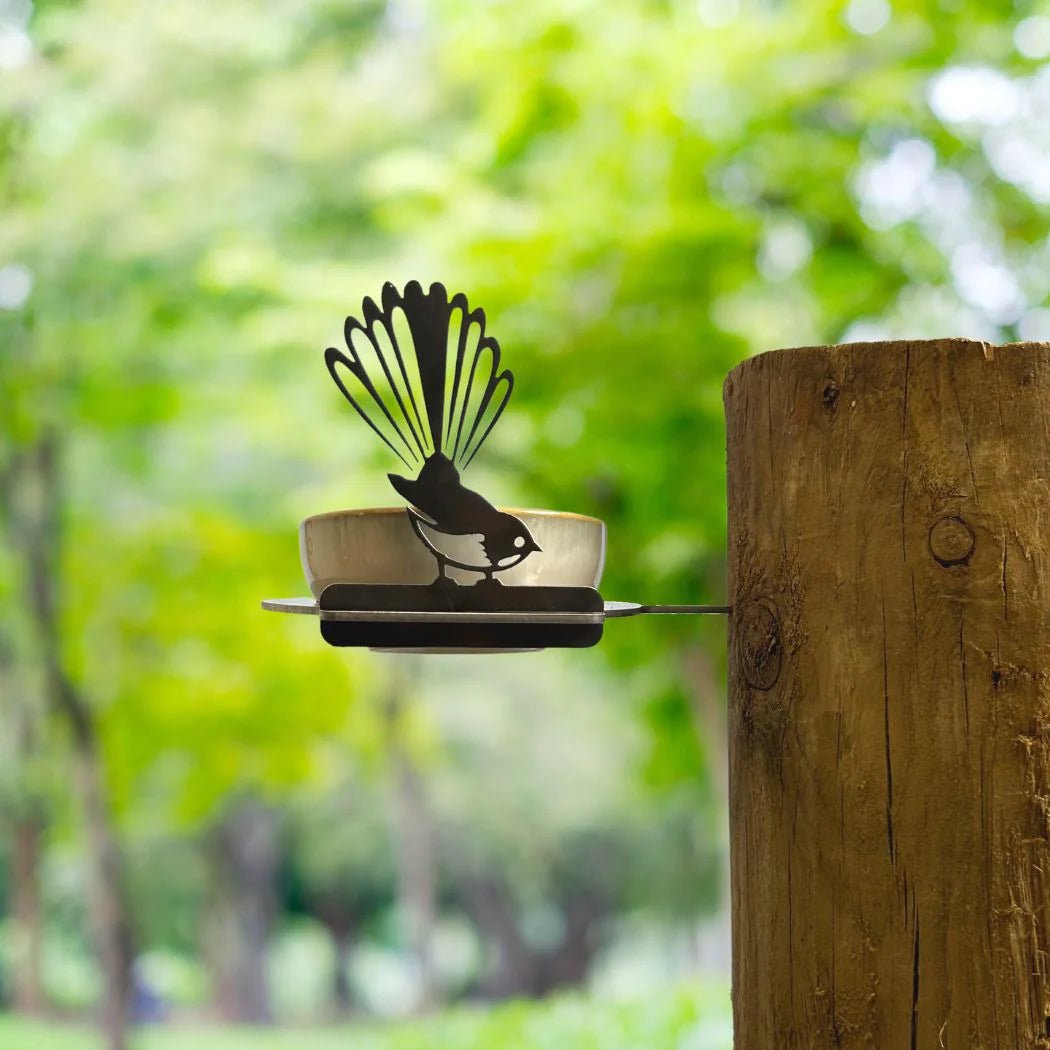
888	662
448	571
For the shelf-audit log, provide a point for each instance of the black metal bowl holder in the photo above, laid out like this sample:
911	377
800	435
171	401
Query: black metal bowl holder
423	373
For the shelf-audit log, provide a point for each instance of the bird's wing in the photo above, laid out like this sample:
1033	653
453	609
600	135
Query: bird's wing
468	549
478	554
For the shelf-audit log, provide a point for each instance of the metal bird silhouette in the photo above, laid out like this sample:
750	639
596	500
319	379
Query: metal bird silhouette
425	376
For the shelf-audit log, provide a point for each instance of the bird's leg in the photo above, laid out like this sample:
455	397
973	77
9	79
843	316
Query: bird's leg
443	578
488	579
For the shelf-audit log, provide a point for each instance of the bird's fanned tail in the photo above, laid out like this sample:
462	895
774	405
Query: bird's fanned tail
423	374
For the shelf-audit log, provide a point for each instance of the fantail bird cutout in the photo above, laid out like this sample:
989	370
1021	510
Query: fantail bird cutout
424	375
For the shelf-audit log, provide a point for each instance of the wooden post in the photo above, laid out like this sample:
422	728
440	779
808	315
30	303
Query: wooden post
889	571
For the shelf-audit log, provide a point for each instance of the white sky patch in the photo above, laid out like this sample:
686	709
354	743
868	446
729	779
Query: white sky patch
1032	37
1020	151
405	16
924	311
16	49
948	215
717	13
1008	116
975	95
895	188
738	184
986	282
712	107
17	12
1034	274
992	284
786	248
1035	326
868	16
1022	160
867	330
16	282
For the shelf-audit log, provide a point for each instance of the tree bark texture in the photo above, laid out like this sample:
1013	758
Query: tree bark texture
889	572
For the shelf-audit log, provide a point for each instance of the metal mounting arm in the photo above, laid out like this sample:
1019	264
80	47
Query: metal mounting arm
614	610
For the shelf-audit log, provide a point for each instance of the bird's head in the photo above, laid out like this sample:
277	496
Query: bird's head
510	543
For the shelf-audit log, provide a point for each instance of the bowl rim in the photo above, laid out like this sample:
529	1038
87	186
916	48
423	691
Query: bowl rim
357	512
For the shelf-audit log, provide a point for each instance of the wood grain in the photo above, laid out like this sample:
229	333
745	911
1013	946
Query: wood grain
889	570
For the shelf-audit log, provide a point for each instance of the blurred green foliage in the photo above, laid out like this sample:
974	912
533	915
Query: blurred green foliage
640	193
684	1020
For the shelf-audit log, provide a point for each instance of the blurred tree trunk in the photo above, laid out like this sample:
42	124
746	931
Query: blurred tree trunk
414	851
244	851
568	965
341	993
491	907
27	837
343	943
339	925
108	905
26	824
521	969
36	533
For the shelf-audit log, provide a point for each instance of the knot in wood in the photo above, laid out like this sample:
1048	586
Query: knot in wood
830	395
952	541
759	650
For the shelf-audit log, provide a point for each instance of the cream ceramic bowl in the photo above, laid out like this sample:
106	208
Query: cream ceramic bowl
379	546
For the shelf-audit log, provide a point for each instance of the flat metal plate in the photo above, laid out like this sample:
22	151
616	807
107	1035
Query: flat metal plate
299	606
486	619
610	611
384	616
309	607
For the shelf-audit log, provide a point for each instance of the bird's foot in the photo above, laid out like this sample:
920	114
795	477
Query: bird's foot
445	583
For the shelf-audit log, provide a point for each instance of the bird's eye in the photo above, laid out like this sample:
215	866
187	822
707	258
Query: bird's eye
519	542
